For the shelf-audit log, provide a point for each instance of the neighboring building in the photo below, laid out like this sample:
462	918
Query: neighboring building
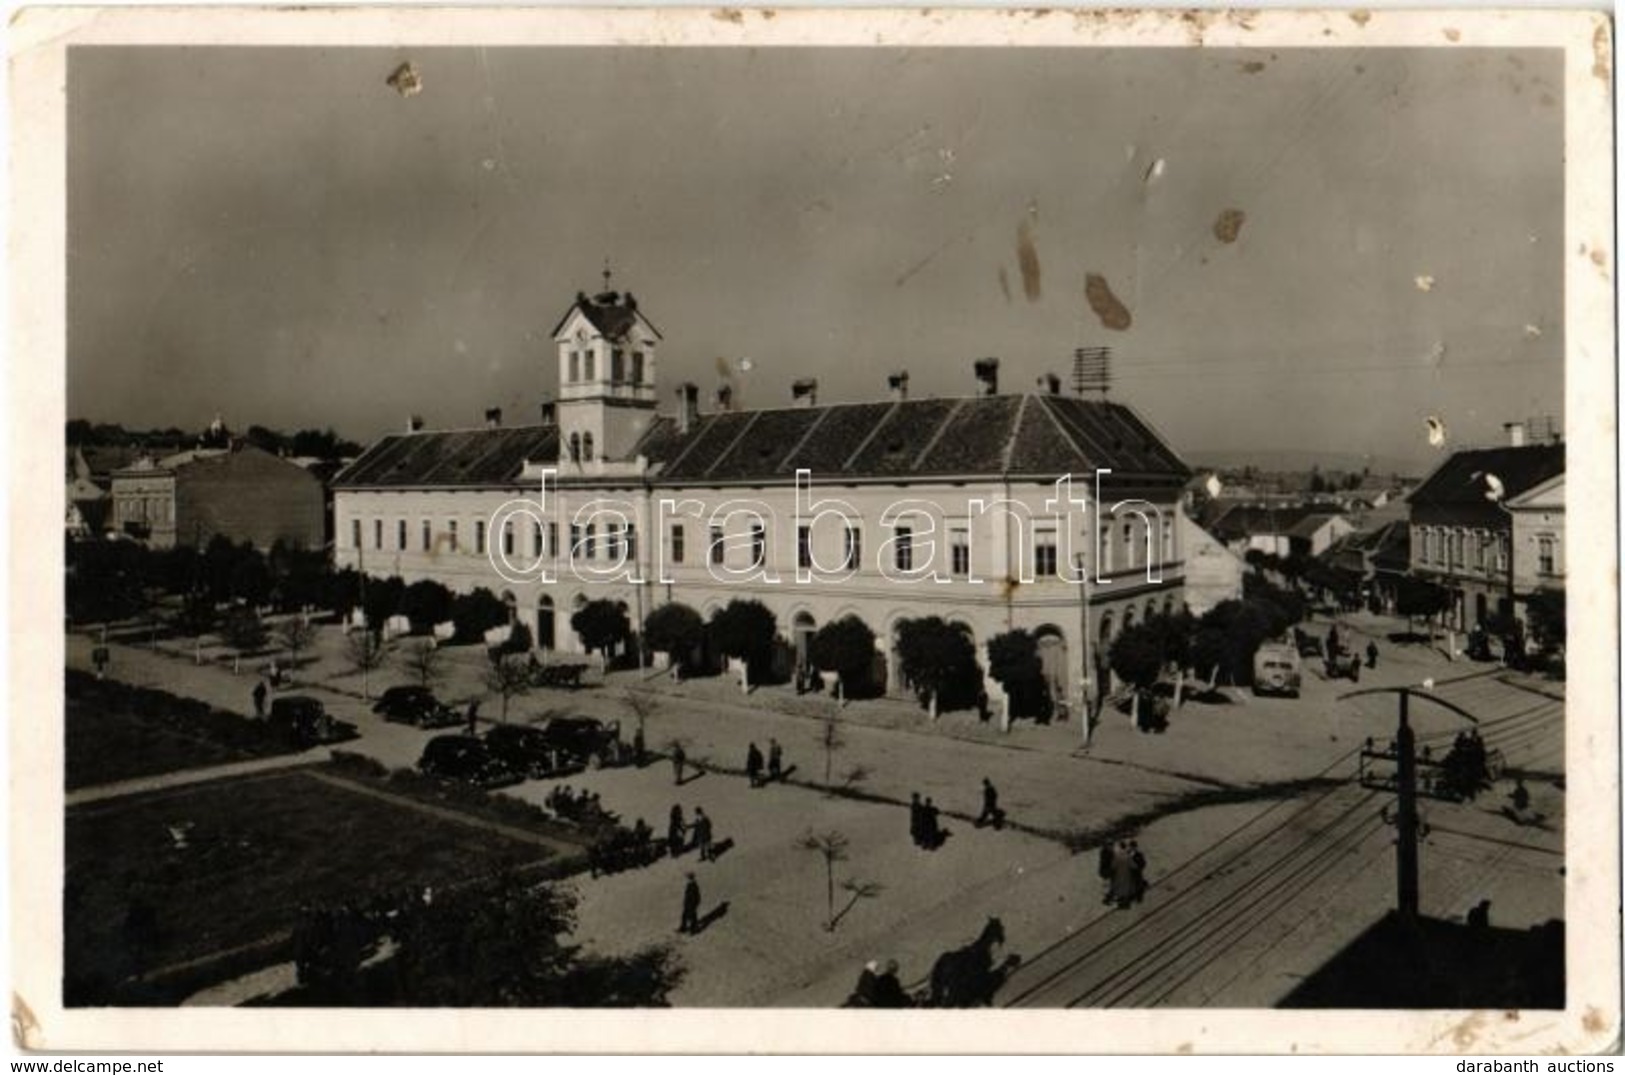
1461	538
241	493
87	502
1280	529
421	504
1379	556
1212	572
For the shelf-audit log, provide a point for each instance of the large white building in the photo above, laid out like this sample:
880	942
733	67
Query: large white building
948	506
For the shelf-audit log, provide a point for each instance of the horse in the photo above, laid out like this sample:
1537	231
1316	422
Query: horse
965	977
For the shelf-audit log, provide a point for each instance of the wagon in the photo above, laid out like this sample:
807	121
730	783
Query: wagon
557	675
1343	666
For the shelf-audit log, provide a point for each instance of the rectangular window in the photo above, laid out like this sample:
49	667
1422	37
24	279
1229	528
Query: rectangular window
613	536
400	534
507	537
1044	554
631	543
903	555
637	367
428	536
804	546
677	542
716	544
587	365
758	543
1501	552
451	535
1548	555
378	533
1105	548
591	544
355	533
479	537
617	365
1130	551
575	541
854	548
552	541
959	550
575	365
1167	544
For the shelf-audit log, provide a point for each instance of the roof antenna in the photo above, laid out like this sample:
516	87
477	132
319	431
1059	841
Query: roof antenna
606	274
1092	370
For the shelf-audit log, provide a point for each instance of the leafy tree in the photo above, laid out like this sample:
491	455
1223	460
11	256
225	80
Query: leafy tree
1137	656
1419	598
477	612
381	599
427	603
295	634
508	677
519	642
674	628
244	631
1548	618
197	615
746	630
938	660
602	625
1013	660
424	659
845	646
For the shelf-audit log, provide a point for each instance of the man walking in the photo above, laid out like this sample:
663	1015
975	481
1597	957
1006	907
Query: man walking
678	759
691	906
702	833
916	820
1108	861
753	766
1371	654
991	814
1137	860
259	699
676	831
775	761
930	831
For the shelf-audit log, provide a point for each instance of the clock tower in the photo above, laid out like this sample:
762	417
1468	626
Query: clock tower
606	362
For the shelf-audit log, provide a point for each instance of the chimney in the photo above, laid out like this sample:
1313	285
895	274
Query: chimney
987	374
1050	383
493	417
898	383
414	423
550	411
725	397
688	406
1515	433
804	392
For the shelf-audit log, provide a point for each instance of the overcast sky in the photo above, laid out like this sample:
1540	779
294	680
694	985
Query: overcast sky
280	237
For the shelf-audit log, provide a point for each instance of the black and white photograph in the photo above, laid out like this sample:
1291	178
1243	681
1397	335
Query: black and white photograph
795	511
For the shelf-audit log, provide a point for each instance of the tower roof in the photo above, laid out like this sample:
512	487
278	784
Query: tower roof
612	313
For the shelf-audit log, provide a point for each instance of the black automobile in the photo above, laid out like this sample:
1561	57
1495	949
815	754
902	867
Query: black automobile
1309	645
306	722
593	743
415	705
525	749
466	759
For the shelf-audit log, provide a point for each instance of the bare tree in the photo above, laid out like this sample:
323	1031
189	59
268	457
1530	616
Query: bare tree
295	634
424	659
367	651
832	847
643	707
509	677
831	739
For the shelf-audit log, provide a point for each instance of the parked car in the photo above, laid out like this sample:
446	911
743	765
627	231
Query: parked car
593	743
415	705
466	759
1277	669
524	749
307	723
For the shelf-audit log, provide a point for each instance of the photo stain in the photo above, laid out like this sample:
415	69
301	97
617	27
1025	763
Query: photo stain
1107	306
1253	67
1228	226
1027	257
405	80
1452	34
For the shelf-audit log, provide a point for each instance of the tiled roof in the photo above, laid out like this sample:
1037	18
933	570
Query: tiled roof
471	457
1245	520
1031	435
1459	480
1309	524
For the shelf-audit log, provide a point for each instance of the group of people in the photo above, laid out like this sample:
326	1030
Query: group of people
1467	766
572	805
765	771
623	849
879	988
1122	869
924	823
679	831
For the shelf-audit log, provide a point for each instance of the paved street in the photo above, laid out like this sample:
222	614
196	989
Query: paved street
1266	857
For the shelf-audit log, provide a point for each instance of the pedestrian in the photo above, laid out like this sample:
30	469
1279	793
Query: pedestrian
1520	796
863	994
702	834
259	699
639	749
889	988
916	820
753	766
930	831
678	759
1108	859
473	717
991	814
775	761
1123	888
676	831
691	906
1371	654
1137	858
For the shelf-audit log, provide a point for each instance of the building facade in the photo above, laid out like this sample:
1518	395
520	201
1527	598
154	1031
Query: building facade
884	510
241	493
1463	533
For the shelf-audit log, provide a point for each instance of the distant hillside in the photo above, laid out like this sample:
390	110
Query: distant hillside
1282	461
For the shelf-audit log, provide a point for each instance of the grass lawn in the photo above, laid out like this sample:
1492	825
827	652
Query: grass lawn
118	732
257	848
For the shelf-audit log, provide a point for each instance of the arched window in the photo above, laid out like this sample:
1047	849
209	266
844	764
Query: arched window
586	447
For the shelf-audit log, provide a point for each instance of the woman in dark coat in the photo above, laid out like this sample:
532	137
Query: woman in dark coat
676	831
1125	886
